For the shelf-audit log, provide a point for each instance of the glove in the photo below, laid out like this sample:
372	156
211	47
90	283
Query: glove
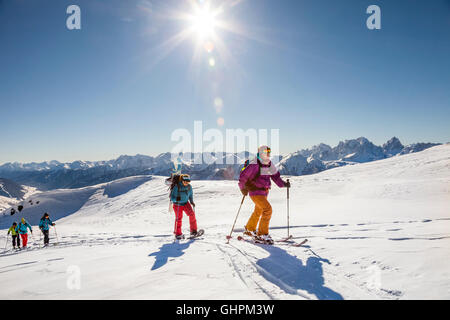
53	224
287	184
193	204
244	192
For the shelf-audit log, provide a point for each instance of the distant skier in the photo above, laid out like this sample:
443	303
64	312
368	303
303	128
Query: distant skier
255	180
22	228
44	225
182	198
14	235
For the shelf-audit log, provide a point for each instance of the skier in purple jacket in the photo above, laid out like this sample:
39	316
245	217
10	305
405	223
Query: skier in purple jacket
255	181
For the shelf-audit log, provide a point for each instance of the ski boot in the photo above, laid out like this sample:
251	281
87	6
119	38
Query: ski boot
179	236
265	238
249	233
193	234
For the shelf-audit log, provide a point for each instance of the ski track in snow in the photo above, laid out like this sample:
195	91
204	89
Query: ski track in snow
376	231
5	191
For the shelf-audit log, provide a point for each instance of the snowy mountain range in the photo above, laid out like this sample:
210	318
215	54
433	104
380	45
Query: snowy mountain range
55	175
322	157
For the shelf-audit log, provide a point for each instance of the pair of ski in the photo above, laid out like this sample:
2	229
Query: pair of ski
287	241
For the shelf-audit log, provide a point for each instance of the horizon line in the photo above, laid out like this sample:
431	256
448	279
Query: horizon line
223	152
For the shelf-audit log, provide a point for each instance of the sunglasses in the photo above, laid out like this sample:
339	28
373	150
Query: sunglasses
267	150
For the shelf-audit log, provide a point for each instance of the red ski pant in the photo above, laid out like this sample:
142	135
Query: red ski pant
179	217
24	239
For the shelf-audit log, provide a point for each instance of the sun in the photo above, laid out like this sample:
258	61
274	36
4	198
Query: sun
203	22
207	25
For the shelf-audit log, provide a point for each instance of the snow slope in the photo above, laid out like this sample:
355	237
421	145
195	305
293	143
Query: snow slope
11	199
378	230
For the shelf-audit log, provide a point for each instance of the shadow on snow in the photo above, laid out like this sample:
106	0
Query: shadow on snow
290	274
169	250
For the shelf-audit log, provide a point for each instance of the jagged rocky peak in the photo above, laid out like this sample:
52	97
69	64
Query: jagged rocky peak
358	150
417	147
321	151
392	147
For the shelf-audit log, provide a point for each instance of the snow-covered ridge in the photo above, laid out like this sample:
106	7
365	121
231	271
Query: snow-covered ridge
64	202
10	189
12	193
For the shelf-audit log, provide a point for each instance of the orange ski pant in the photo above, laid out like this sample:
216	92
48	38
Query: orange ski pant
261	214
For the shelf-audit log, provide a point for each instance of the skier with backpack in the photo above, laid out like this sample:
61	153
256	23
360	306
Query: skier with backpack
22	228
182	198
14	235
44	225
254	180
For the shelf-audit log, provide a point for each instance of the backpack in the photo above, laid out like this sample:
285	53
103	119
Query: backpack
173	180
250	183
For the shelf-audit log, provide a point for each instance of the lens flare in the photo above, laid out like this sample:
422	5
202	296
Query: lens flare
218	104
208	46
204	22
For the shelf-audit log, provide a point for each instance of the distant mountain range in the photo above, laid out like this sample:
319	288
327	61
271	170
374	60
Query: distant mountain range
77	174
322	157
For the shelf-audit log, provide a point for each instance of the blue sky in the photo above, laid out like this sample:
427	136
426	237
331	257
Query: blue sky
309	68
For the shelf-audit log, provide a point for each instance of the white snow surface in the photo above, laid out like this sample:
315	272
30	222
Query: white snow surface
377	230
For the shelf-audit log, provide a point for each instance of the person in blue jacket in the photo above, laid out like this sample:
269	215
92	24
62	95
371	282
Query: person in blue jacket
22	229
182	198
44	225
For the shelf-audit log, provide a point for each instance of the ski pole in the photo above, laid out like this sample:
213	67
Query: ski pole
32	238
177	213
232	228
6	244
288	235
57	240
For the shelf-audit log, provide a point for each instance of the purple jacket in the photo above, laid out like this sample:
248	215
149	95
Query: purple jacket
262	184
